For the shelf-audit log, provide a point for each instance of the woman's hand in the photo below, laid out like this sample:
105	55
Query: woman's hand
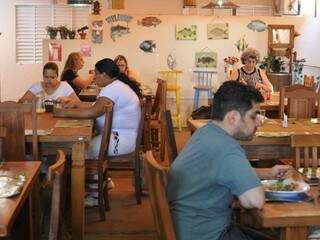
280	171
67	102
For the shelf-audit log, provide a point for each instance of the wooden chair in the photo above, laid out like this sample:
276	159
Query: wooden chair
157	137
301	101
2	136
156	176
132	160
170	141
308	81
203	83
12	119
306	151
99	166
56	178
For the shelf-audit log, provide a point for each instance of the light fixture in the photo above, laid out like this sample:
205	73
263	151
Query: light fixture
222	4
79	3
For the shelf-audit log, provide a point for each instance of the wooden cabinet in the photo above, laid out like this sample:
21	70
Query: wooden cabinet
279	80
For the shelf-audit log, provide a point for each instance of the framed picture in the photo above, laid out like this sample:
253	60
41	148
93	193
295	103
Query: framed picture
217	31
186	32
291	7
206	59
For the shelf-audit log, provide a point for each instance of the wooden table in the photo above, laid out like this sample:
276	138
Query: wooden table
71	140
271	141
293	219
10	207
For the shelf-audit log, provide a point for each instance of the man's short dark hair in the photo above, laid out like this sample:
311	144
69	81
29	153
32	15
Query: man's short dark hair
233	95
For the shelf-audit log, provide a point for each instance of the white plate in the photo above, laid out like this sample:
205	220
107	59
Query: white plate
303	187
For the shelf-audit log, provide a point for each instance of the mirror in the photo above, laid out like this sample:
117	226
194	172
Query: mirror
281	36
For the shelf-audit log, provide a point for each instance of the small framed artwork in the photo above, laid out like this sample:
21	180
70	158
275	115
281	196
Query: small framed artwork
206	59
217	31
186	32
291	7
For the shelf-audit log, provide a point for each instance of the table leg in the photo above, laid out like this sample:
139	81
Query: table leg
294	233
78	190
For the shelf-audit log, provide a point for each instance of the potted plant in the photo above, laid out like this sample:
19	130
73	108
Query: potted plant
82	32
52	32
276	64
72	34
63	30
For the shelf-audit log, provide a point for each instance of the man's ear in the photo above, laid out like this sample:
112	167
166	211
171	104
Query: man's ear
233	117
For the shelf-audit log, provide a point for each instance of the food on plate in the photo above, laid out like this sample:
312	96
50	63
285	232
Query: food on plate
282	186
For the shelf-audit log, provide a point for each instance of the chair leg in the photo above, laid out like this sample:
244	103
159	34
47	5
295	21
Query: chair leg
100	198
106	192
137	179
196	99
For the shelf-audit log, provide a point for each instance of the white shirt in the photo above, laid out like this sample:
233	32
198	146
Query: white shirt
126	108
64	90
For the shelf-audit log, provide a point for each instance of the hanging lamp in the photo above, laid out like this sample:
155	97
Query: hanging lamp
222	4
79	3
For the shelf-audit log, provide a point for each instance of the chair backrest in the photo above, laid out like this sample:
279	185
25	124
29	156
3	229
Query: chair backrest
171	77
12	118
160	100
171	146
308	81
203	78
156	176
301	101
56	176
306	150
104	146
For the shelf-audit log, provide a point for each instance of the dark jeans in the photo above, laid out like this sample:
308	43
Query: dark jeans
240	232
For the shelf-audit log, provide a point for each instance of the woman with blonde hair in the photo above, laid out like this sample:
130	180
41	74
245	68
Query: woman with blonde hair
122	64
70	74
249	74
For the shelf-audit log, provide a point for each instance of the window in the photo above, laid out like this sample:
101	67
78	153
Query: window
31	22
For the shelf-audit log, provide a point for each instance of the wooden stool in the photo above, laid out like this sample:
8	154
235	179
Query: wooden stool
203	83
172	79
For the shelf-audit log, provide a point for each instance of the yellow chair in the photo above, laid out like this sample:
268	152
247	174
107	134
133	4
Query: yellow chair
172	78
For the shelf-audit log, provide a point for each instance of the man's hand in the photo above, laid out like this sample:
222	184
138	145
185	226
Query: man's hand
67	102
280	171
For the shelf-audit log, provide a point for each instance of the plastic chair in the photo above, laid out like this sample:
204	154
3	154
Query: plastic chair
203	84
172	79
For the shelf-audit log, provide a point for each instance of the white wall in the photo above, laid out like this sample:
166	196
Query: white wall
15	79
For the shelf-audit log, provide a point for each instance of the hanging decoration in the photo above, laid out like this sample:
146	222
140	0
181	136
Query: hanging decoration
149	21
55	52
241	44
96	34
217	31
206	58
148	46
85	49
96	8
186	32
257	25
118	30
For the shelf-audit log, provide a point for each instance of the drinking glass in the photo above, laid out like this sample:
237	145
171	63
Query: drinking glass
262	116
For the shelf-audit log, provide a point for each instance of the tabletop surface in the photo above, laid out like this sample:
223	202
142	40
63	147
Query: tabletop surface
9	207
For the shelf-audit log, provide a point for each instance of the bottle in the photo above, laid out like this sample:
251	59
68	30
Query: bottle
40	99
285	120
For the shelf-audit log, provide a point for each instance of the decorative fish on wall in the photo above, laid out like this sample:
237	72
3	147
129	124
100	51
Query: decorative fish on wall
257	25
118	31
149	21
241	44
148	46
218	31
